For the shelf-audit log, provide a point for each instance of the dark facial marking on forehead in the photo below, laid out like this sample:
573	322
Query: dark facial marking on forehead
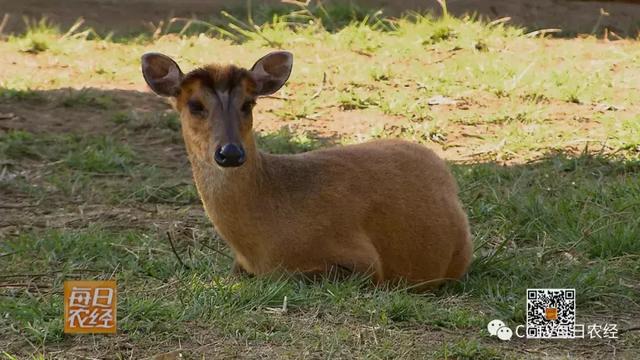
219	78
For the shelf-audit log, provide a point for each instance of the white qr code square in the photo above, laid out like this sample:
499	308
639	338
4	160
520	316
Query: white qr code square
551	313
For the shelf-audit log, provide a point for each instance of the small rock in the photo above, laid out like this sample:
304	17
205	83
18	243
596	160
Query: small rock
441	100
602	107
7	116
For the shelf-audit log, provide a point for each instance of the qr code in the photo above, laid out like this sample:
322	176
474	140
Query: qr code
551	313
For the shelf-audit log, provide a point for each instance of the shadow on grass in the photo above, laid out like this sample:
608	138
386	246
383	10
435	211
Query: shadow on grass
121	144
65	111
564	221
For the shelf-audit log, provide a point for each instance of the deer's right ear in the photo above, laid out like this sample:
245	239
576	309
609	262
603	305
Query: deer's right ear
162	74
272	71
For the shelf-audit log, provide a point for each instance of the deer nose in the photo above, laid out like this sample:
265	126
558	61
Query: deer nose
229	155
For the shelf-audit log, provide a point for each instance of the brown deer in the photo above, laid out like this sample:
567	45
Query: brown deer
388	209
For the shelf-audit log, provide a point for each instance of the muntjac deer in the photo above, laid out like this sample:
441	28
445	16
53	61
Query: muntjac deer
388	209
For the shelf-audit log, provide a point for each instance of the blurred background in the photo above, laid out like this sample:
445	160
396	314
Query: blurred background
622	17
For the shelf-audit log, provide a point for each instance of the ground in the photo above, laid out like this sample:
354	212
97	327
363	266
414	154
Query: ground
543	136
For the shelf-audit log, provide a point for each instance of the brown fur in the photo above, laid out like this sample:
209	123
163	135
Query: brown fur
387	208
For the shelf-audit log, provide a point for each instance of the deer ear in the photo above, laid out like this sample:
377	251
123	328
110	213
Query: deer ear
272	71
162	74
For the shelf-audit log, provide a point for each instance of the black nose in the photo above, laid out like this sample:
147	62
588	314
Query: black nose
229	155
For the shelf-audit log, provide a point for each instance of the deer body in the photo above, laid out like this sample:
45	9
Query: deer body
386	208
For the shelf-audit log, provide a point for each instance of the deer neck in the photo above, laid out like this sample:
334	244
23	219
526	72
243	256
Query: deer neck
228	190
229	196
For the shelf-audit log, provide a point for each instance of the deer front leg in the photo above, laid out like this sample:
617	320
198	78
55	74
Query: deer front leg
339	272
238	271
358	257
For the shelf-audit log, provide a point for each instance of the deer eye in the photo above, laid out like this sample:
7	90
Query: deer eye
196	108
248	106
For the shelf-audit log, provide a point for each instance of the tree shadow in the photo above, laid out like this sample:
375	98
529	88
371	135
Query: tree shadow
99	111
84	111
564	221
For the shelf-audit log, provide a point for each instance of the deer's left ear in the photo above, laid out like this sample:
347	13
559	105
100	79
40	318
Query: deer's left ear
272	71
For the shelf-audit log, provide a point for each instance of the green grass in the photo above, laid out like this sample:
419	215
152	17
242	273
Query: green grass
87	98
527	235
571	217
94	154
94	168
38	36
420	133
155	189
552	193
19	95
204	294
284	141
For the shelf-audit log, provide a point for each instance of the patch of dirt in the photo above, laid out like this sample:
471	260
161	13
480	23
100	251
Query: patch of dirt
25	216
59	111
46	113
331	123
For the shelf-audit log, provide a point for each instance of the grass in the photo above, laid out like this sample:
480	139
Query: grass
563	214
38	36
285	141
583	239
545	134
99	154
87	99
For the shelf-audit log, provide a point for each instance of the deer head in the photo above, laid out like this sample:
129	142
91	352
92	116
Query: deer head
216	102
